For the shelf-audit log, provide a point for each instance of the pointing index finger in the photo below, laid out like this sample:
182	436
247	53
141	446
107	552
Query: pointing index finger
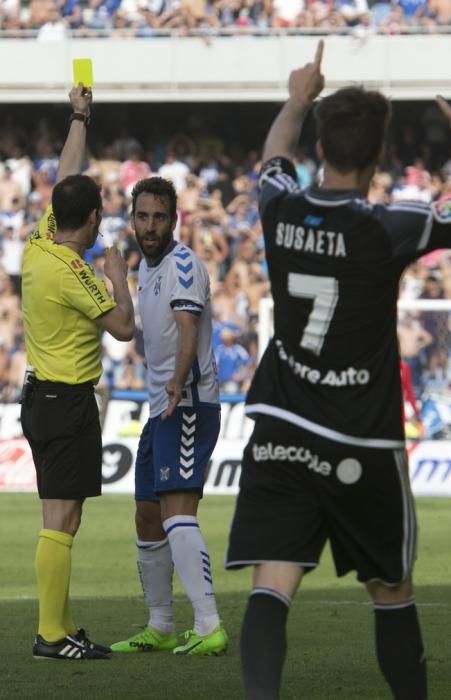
319	52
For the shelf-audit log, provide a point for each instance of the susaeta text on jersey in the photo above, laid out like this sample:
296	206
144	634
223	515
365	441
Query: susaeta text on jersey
310	240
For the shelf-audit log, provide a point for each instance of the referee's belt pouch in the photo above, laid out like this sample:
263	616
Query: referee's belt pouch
28	388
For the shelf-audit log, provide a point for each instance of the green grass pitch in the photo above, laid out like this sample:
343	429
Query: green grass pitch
331	650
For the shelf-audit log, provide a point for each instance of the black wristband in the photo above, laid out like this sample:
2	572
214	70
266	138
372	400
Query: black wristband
80	117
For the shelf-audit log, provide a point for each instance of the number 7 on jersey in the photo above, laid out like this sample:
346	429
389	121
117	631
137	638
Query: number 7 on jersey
324	292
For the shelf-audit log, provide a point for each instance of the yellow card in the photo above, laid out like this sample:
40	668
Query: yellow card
82	68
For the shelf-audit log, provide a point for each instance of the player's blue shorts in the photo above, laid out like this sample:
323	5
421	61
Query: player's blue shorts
173	454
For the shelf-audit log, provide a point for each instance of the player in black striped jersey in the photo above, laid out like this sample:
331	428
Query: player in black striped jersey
327	460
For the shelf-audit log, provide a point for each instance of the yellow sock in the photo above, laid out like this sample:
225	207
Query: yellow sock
68	623
53	567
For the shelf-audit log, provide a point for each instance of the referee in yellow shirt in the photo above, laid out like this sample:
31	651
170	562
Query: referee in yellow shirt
65	307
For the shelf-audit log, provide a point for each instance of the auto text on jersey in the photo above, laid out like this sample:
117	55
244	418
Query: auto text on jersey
345	377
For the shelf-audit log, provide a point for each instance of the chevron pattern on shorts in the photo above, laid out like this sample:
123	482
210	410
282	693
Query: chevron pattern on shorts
186	469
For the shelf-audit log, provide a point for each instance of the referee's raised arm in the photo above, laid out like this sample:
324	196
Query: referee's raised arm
72	155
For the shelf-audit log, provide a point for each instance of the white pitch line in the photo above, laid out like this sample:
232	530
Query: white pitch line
176	599
368	603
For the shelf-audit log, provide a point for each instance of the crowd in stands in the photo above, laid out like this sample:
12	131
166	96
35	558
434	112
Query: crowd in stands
56	19
218	218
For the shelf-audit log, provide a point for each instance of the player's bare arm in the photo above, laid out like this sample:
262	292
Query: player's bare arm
187	329
304	86
120	321
445	107
72	155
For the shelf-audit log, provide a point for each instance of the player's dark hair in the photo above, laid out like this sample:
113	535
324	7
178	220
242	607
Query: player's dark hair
73	199
159	187
351	126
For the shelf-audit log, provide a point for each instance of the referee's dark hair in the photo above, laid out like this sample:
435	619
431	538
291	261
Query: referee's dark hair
351	125
73	199
159	187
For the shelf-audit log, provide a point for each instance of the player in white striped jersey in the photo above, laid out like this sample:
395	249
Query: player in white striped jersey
327	460
181	433
178	283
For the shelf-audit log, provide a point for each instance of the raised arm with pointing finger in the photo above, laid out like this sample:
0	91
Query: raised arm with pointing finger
304	86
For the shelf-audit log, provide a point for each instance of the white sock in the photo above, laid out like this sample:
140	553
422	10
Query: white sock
192	563
155	570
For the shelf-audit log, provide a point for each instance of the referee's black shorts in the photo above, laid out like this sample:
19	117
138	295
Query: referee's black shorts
61	424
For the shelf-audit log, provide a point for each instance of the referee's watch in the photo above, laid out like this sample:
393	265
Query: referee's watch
78	116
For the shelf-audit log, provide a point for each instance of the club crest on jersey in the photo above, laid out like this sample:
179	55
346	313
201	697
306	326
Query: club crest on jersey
157	285
441	211
164	473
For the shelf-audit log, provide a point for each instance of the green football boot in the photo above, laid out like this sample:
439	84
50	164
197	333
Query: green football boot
212	644
147	640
